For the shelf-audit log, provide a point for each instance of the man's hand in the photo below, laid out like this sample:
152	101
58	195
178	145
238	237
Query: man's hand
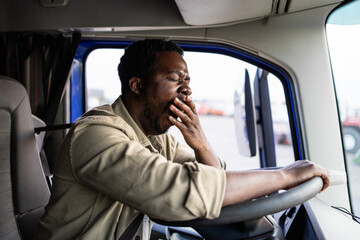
189	125
191	129
300	171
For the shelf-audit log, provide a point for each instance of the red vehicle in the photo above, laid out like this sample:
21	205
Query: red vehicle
351	134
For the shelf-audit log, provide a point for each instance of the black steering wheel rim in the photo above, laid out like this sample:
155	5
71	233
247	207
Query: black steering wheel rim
257	208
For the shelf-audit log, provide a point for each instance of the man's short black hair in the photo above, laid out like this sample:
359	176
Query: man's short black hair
140	57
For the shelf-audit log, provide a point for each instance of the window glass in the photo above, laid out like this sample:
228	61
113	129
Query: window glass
343	32
102	81
214	78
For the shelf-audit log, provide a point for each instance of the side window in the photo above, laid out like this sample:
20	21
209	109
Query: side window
343	33
214	79
102	82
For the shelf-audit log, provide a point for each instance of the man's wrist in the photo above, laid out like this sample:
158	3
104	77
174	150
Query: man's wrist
285	178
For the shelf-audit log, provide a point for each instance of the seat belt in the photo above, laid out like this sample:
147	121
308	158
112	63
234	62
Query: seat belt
131	229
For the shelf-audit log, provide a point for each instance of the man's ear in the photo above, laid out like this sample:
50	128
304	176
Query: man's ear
136	85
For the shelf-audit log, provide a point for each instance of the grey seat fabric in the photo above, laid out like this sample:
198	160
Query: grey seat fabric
23	188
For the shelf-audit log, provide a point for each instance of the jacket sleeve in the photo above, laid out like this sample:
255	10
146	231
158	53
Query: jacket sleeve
107	160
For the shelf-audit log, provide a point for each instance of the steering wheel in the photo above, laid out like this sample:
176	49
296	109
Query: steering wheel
257	208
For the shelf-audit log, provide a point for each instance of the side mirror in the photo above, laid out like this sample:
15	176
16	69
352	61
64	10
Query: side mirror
245	119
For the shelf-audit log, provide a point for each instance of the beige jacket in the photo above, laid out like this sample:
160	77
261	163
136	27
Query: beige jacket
108	171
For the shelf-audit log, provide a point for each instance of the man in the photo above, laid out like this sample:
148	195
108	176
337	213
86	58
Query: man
118	161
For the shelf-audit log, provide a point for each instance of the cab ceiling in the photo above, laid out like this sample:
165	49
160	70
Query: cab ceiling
130	15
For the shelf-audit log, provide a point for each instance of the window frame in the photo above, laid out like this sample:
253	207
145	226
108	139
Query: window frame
78	81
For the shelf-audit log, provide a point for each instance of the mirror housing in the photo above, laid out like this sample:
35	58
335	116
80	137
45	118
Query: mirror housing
245	119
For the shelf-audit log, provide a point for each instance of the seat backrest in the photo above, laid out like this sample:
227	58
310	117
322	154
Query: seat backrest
23	188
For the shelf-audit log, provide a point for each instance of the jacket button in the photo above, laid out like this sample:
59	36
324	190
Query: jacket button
137	237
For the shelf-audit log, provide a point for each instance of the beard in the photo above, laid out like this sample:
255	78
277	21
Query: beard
153	120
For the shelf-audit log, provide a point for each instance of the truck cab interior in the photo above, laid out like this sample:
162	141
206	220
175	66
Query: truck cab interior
289	92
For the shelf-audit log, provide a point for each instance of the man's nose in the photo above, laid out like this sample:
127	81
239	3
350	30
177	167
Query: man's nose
185	90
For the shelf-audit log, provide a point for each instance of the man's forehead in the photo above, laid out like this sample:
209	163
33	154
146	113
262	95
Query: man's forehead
172	62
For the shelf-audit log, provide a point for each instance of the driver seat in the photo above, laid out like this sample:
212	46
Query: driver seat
23	188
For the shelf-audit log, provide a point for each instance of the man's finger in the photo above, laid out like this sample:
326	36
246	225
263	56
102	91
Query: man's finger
184	107
181	126
185	118
191	104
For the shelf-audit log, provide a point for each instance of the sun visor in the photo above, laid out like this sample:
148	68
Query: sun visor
210	12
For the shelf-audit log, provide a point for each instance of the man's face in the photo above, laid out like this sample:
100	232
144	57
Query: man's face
169	78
